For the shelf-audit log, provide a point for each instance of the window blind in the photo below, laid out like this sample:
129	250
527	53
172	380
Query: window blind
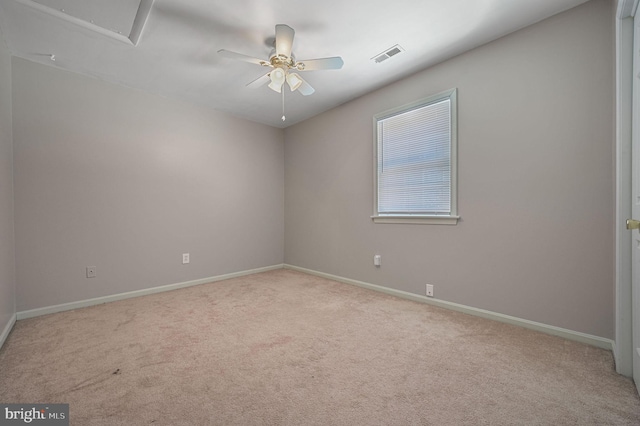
414	161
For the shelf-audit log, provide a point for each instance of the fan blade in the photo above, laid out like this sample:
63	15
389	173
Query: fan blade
305	88
239	56
334	63
284	39
260	81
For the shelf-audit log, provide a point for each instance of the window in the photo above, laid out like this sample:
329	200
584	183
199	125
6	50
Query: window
415	162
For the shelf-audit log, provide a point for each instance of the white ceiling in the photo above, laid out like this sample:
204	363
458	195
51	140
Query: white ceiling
176	57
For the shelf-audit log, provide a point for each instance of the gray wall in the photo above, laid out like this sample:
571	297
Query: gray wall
7	258
126	181
536	181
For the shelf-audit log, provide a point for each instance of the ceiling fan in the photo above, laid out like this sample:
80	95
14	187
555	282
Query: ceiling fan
282	62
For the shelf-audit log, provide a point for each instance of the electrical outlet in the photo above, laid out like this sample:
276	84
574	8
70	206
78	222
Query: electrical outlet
185	258
377	260
91	271
430	290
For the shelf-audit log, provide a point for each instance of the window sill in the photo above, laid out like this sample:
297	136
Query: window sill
418	220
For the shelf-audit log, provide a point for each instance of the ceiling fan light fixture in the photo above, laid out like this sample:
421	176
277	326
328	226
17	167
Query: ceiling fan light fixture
277	77
282	63
294	81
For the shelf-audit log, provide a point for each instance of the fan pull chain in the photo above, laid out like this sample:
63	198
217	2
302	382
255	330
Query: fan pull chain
283	117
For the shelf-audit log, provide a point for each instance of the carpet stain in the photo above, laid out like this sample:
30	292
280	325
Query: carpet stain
91	381
149	381
128	320
261	347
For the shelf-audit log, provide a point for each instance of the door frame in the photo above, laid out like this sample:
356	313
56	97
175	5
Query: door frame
625	123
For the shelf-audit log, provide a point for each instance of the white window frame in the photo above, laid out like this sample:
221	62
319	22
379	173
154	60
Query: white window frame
450	218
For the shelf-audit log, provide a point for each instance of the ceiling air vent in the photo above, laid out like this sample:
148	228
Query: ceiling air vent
392	51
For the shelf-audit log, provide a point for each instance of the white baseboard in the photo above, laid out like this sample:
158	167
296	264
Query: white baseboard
616	354
121	296
544	328
7	329
532	325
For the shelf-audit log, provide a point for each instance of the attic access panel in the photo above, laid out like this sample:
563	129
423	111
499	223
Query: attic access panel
119	19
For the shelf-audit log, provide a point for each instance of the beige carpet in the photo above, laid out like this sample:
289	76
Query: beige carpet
286	348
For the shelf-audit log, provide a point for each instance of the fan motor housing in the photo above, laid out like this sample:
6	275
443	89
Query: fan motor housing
282	61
